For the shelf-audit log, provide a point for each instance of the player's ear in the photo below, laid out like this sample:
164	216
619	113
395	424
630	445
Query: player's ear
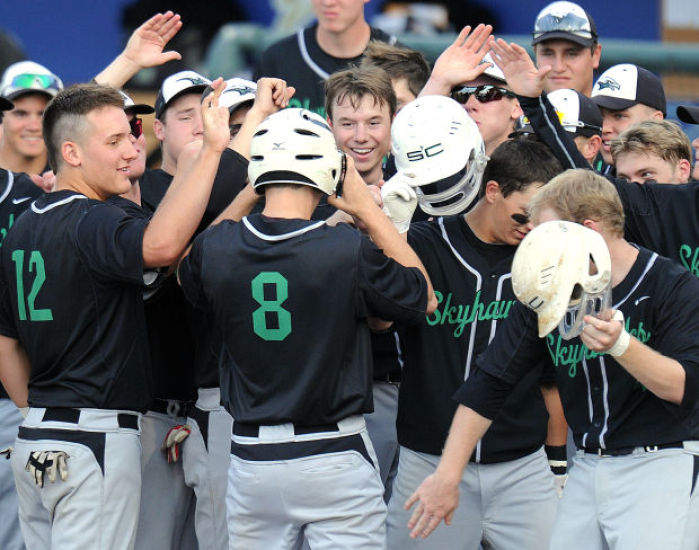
596	55
492	190
71	153
684	169
159	130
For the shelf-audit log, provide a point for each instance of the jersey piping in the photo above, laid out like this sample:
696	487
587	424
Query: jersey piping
307	58
8	188
283	236
603	366
56	204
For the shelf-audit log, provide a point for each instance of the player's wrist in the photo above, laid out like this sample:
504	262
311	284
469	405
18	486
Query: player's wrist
622	342
557	456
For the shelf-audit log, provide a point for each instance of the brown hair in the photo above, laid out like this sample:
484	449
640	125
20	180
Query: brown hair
64	116
398	63
357	82
579	195
660	138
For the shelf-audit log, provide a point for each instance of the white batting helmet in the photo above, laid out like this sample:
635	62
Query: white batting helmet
295	146
434	138
563	271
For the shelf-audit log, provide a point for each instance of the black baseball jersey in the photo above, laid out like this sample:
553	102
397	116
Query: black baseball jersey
472	282
291	298
231	177
17	191
659	216
71	279
605	406
300	61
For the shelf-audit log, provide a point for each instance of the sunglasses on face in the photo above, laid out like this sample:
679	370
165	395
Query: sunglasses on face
136	127
35	81
521	219
484	94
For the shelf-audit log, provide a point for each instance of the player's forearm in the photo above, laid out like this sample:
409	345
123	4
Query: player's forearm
467	429
118	72
557	430
386	237
14	370
662	375
436	85
181	209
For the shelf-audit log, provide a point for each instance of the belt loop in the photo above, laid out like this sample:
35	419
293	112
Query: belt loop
651	448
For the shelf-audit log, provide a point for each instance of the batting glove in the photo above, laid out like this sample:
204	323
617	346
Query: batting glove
175	436
399	200
42	464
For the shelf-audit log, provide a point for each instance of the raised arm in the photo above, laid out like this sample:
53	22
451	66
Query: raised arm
144	49
182	207
358	201
272	95
460	62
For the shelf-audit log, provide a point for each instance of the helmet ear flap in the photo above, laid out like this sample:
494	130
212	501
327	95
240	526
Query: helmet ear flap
562	271
294	146
434	138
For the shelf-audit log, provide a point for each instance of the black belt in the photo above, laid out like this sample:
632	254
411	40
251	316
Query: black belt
623	451
72	416
390	377
253	430
170	407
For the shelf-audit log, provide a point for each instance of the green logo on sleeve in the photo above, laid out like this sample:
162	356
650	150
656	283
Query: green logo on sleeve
273	308
690	258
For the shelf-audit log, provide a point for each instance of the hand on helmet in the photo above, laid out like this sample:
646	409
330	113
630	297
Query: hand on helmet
400	200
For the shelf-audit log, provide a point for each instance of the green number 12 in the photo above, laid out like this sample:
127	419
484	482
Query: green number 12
259	317
36	263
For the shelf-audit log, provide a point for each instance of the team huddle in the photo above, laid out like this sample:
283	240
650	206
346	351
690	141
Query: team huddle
361	297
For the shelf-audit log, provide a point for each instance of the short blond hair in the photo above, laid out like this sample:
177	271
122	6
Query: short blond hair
660	138
579	195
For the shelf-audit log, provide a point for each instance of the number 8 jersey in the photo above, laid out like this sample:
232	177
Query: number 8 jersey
71	283
291	299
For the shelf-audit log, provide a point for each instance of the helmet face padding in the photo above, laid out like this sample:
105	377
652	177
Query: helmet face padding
434	139
295	146
563	271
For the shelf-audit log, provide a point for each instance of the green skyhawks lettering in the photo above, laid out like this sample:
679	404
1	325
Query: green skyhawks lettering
462	315
572	355
4	230
690	259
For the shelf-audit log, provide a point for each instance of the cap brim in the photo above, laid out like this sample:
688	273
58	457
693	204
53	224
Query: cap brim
688	114
26	91
562	35
6	104
140	109
613	103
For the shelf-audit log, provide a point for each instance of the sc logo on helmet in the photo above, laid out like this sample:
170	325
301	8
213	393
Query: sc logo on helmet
425	152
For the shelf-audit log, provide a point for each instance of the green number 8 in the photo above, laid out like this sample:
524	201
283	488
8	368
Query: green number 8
259	318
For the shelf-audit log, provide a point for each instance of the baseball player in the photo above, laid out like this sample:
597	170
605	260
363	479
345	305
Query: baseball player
295	369
508	491
72	276
628	382
17	192
646	206
305	60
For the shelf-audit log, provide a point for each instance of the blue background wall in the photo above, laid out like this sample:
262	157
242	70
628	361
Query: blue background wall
76	38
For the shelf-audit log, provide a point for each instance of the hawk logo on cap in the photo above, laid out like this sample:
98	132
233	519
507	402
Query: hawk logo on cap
241	91
608	83
193	80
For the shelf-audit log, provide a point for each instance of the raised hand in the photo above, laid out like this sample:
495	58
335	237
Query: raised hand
215	117
461	61
522	75
146	44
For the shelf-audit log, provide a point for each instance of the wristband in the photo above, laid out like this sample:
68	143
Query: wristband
558	458
622	343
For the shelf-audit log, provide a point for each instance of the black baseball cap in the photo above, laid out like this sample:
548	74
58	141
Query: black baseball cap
565	21
625	85
688	114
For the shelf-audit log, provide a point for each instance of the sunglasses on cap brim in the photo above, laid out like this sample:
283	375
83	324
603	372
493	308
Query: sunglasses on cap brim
35	82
